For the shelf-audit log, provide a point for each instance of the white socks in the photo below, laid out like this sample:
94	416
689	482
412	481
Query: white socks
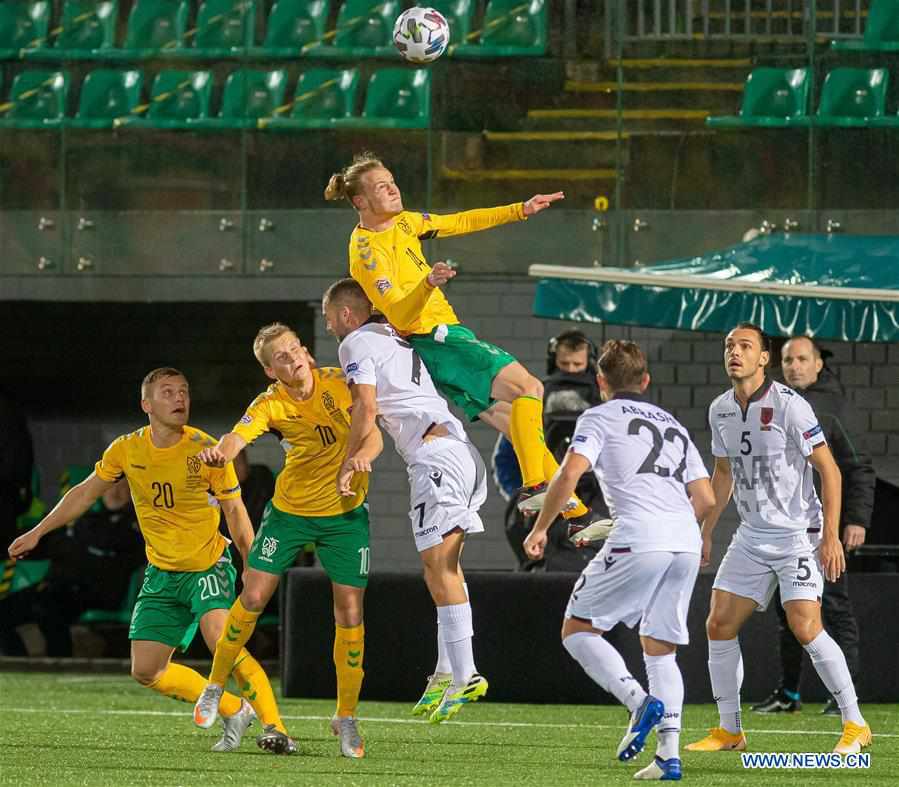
604	664
726	673
830	664
444	667
455	630
667	684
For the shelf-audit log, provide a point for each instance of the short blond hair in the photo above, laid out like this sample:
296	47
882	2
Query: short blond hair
155	376
266	335
347	183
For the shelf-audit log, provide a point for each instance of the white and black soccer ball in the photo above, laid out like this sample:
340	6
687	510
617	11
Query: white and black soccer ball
421	34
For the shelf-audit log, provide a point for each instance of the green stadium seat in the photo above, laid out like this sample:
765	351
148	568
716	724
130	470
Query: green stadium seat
176	98
881	30
23	25
37	100
459	14
852	97
122	615
87	29
248	96
772	98
107	94
322	96
364	29
224	29
395	98
292	24
154	27
511	28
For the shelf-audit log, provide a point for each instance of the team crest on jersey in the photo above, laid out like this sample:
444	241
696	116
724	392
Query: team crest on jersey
383	285
436	476
766	416
404	226
193	465
328	401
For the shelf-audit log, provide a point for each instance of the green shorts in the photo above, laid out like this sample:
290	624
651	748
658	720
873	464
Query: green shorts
461	365
341	543
171	603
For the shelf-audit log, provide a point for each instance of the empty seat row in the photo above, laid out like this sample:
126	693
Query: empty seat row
779	98
227	28
251	98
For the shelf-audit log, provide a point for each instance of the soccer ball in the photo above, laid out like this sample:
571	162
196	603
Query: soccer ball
421	34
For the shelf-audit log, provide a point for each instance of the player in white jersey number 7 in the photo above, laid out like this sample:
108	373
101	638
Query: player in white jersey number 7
766	440
657	487
447	477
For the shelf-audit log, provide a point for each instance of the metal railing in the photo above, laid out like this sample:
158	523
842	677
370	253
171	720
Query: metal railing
736	20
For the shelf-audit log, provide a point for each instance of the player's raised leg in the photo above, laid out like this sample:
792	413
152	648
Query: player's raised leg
727	615
605	666
804	619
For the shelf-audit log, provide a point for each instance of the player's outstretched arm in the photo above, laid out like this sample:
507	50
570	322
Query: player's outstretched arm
362	424
224	451
560	489
722	488
73	504
833	559
239	525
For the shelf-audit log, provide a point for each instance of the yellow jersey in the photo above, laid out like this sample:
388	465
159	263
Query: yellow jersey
173	495
313	433
391	267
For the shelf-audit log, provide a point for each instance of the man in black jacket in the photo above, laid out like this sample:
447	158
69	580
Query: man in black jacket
803	369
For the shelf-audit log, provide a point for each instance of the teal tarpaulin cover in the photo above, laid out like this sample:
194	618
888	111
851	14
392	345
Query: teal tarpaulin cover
826	286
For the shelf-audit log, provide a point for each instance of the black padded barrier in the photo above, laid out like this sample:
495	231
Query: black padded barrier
517	618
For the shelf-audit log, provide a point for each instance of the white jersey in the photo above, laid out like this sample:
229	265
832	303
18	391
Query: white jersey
768	445
408	403
643	458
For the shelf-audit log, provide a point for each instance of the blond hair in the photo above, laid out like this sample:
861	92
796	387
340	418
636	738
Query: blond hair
155	376
266	335
347	183
622	363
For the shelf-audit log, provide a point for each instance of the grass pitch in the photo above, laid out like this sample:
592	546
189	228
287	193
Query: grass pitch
70	729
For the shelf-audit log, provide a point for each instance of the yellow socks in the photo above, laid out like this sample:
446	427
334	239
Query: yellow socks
256	689
526	434
238	628
349	647
184	684
550	465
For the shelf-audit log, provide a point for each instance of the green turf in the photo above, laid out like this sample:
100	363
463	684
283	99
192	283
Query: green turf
106	730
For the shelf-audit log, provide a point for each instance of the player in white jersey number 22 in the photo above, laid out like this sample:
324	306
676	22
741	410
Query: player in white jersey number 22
446	474
766	440
656	487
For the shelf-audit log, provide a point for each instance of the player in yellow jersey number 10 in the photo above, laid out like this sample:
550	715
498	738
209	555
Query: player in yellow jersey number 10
485	381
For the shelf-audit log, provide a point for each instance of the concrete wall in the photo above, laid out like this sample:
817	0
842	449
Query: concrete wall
687	374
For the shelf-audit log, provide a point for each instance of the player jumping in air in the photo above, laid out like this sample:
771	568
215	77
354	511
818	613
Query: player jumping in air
308	409
447	477
189	582
386	258
657	487
766	440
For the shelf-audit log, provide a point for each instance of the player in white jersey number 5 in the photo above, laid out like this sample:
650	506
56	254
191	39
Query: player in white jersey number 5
446	475
766	440
657	487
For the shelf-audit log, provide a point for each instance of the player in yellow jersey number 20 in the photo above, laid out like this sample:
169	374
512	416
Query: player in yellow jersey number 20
309	411
386	258
189	581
